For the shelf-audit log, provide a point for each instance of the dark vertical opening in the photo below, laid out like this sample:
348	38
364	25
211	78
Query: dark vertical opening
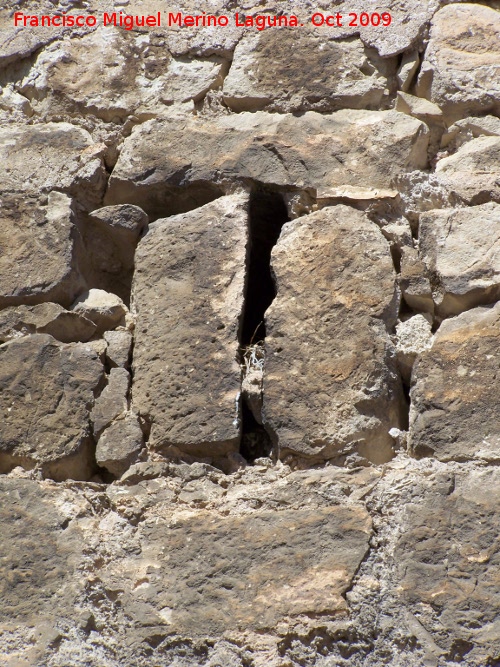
267	216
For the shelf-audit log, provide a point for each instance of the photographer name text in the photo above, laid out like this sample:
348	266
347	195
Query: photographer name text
171	20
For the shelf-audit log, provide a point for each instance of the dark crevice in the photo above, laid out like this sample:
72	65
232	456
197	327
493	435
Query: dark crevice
255	441
267	215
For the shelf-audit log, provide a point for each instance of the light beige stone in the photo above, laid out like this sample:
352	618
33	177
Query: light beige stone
472	175
413	336
313	74
470	128
454	396
330	387
106	310
461	68
460	249
419	108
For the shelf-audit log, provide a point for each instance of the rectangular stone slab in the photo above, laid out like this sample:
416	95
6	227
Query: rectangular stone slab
330	387
216	574
167	167
188	298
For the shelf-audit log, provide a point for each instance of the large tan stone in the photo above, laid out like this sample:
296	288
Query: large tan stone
132	76
330	387
447	562
188	300
168	167
461	68
39	554
460	249
472	174
331	541
454	395
52	156
40	249
135	567
313	74
47	393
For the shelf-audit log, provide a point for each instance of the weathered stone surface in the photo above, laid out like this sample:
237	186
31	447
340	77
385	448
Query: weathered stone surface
269	570
460	249
147	564
131	76
105	310
419	108
472	174
413	337
119	347
314	74
39	250
124	223
461	68
447	561
196	557
470	128
119	445
17	42
167	167
47	393
409	21
186	371
52	156
110	235
49	318
455	402
113	401
38	557
330	389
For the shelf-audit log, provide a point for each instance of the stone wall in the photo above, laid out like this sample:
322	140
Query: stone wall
249	336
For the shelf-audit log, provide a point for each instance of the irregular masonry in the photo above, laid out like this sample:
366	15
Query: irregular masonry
133	75
358	543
